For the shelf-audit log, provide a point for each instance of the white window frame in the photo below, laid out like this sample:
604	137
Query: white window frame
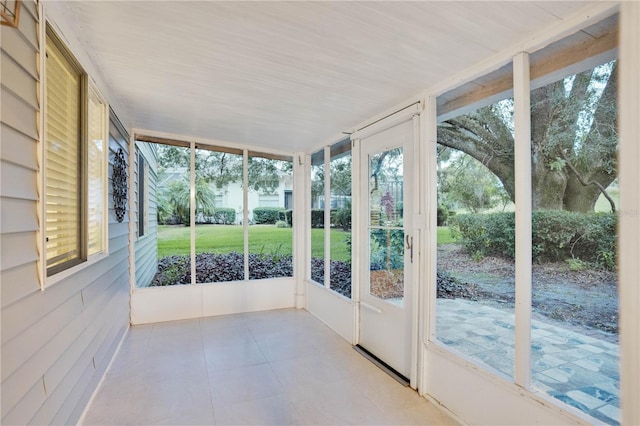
521	380
145	199
88	86
326	195
266	200
192	146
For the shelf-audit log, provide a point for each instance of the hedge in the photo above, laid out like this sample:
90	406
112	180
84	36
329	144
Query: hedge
266	215
286	216
222	215
225	215
556	236
340	218
317	218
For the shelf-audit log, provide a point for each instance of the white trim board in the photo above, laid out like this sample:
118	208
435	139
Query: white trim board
159	304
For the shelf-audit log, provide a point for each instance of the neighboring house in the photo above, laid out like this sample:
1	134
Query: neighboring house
231	196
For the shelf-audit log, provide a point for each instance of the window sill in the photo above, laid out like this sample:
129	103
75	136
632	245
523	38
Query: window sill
63	275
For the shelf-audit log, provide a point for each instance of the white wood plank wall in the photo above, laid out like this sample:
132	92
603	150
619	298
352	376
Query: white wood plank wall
146	247
56	344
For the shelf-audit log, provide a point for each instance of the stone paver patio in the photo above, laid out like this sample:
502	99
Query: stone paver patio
580	370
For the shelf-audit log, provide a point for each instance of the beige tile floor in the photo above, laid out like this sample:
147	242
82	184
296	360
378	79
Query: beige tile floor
274	367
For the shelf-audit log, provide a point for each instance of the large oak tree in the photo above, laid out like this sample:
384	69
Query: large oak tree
573	138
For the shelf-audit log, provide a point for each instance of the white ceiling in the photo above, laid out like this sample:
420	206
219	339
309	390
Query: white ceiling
289	75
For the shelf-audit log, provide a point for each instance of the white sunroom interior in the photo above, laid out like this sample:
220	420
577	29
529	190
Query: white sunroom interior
482	361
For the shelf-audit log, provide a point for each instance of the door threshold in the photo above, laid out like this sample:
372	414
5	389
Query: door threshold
383	366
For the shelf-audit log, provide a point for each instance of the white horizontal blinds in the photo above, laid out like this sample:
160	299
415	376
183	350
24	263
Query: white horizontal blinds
63	218
95	173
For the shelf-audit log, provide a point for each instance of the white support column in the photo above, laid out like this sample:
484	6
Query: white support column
417	233
522	154
301	225
431	201
629	226
357	216
245	211
130	213
192	204
327	216
427	220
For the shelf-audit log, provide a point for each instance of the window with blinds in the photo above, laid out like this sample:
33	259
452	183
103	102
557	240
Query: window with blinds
63	160
75	162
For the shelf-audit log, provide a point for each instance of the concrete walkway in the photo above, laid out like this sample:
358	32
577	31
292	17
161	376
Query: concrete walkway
579	370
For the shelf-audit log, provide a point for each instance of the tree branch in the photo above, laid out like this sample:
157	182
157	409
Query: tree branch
590	182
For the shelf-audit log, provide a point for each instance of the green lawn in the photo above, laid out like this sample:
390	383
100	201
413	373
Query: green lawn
262	238
444	235
226	238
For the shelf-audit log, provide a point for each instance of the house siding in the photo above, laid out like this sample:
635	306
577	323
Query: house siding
146	247
56	343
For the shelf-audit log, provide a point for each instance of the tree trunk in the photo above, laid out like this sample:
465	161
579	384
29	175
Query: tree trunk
547	189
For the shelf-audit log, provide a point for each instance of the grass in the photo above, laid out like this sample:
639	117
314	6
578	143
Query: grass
175	240
444	235
603	205
262	239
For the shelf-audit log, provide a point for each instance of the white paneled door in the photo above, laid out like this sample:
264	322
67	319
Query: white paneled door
386	290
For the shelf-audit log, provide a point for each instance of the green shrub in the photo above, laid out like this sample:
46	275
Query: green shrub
266	215
225	215
387	249
556	236
443	215
341	218
286	216
317	218
282	224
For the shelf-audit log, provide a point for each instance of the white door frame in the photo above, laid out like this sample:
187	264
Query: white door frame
410	112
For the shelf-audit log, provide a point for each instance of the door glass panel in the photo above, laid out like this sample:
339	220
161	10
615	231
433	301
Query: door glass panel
385	188
386	236
386	265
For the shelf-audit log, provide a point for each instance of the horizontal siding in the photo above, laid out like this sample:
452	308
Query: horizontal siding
57	343
146	260
101	286
14	77
18	148
18	249
17	113
18	282
30	7
109	345
18	182
146	248
28	24
19	350
118	229
22	412
101	360
81	371
118	243
20	48
11	223
32	371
